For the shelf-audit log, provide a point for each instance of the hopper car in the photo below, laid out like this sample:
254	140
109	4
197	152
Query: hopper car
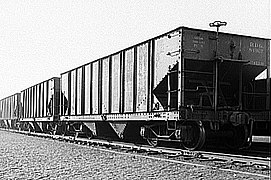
187	86
40	106
10	111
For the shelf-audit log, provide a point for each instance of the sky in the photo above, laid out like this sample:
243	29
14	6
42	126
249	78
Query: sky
40	39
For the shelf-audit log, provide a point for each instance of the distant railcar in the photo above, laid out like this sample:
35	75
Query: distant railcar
40	106
10	111
174	87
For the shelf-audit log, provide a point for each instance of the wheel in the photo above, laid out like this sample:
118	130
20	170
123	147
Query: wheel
194	135
152	142
239	137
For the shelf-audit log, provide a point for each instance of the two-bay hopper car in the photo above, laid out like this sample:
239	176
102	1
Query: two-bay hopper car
40	106
174	87
10	111
179	87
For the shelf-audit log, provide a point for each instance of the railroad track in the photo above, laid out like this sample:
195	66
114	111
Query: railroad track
261	150
258	166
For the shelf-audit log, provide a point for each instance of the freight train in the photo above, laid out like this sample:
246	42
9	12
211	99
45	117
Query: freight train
187	86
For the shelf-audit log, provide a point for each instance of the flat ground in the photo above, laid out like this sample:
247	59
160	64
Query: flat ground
27	157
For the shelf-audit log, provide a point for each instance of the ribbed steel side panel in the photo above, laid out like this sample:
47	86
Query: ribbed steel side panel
87	84
142	78
12	109
35	101
95	87
45	98
25	103
38	96
115	106
41	100
21	100
65	93
32	102
105	85
79	91
73	92
51	95
1	109
8	108
38	100
28	102
56	98
129	80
